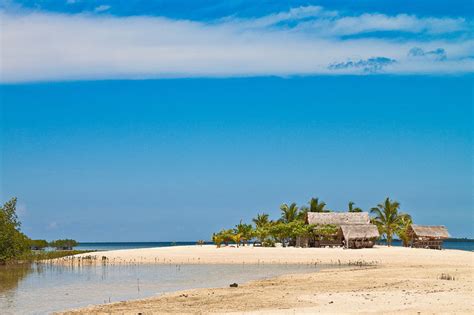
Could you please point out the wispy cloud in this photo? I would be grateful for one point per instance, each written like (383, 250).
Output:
(39, 46)
(52, 225)
(333, 23)
(371, 65)
(102, 8)
(438, 54)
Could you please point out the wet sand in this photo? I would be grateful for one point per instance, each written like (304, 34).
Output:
(390, 280)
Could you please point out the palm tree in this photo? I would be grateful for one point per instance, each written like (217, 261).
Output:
(303, 212)
(316, 206)
(261, 220)
(245, 231)
(289, 213)
(388, 219)
(402, 231)
(352, 209)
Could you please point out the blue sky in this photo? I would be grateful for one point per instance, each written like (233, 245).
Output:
(143, 121)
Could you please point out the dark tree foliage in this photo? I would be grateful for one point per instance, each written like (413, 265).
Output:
(65, 244)
(38, 244)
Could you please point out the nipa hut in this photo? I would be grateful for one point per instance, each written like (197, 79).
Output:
(359, 235)
(354, 229)
(338, 218)
(427, 236)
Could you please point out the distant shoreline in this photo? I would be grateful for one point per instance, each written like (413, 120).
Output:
(209, 254)
(108, 246)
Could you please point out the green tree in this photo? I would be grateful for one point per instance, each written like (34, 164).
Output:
(237, 238)
(325, 231)
(403, 227)
(388, 219)
(245, 230)
(261, 220)
(217, 239)
(352, 209)
(261, 234)
(13, 243)
(281, 232)
(302, 213)
(38, 244)
(316, 206)
(289, 213)
(65, 244)
(301, 229)
(225, 236)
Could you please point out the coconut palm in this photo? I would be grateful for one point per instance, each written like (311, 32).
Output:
(245, 230)
(387, 218)
(289, 213)
(402, 230)
(217, 239)
(261, 220)
(302, 213)
(237, 238)
(316, 206)
(352, 209)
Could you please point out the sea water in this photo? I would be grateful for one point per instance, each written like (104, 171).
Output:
(45, 288)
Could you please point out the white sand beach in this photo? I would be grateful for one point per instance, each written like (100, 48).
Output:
(390, 280)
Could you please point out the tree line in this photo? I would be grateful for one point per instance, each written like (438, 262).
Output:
(291, 225)
(14, 244)
(64, 244)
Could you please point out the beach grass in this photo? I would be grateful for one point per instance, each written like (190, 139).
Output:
(39, 256)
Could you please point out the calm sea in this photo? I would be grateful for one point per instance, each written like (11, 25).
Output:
(449, 244)
(43, 289)
(128, 245)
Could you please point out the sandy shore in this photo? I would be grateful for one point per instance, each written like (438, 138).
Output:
(392, 280)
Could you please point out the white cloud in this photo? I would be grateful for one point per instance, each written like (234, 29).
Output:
(102, 8)
(333, 23)
(52, 225)
(40, 46)
(367, 23)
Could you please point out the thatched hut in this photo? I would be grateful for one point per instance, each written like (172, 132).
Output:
(338, 218)
(352, 229)
(359, 235)
(427, 236)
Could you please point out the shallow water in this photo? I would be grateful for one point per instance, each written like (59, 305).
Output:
(40, 289)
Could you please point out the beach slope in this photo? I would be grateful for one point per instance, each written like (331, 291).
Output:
(379, 280)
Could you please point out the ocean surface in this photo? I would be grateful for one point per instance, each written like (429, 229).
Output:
(449, 244)
(129, 245)
(42, 289)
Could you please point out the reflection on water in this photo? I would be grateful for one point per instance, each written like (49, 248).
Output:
(10, 276)
(39, 289)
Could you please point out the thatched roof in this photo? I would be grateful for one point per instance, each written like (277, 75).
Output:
(359, 231)
(432, 231)
(338, 218)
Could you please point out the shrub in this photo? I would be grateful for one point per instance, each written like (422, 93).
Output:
(38, 244)
(65, 244)
(13, 243)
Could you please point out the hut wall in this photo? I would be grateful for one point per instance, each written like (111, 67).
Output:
(361, 243)
(331, 240)
(427, 243)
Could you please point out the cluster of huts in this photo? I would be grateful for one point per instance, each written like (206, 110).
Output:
(354, 230)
